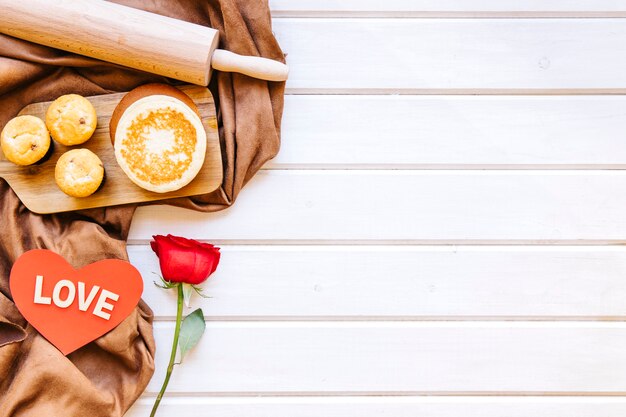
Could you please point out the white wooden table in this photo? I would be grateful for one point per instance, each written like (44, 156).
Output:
(441, 233)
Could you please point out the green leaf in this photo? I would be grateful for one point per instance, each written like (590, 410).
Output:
(191, 330)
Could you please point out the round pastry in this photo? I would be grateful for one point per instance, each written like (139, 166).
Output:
(25, 140)
(79, 172)
(71, 119)
(158, 137)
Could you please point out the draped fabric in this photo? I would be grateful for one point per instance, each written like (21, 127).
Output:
(106, 376)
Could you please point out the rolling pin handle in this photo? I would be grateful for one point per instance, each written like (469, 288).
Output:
(257, 67)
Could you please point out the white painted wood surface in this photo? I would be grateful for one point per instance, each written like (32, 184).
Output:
(387, 358)
(404, 406)
(438, 8)
(453, 132)
(441, 234)
(410, 207)
(338, 283)
(439, 56)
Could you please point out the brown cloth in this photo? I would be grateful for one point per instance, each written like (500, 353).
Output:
(105, 377)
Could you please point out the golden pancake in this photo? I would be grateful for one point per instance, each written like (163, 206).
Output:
(158, 137)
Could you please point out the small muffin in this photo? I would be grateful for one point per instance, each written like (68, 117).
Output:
(25, 140)
(79, 172)
(71, 119)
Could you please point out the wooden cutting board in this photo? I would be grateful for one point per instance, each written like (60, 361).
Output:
(35, 184)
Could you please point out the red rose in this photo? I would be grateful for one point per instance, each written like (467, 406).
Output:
(185, 260)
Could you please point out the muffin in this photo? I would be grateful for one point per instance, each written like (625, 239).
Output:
(25, 140)
(79, 172)
(158, 137)
(71, 119)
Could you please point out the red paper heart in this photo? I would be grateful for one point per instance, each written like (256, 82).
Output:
(41, 285)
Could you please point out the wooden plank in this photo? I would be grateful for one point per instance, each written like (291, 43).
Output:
(454, 55)
(358, 282)
(438, 132)
(399, 358)
(393, 406)
(409, 207)
(446, 8)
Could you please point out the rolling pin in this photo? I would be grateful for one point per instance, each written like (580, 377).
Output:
(130, 37)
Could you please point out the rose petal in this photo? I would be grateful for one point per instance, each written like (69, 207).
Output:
(155, 247)
(176, 261)
(185, 260)
(183, 241)
(216, 260)
(208, 246)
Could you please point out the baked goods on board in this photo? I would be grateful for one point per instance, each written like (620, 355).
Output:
(79, 172)
(25, 140)
(158, 137)
(71, 119)
(158, 140)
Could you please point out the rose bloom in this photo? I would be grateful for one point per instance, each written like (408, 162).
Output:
(185, 260)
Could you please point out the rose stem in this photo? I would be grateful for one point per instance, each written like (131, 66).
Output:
(170, 366)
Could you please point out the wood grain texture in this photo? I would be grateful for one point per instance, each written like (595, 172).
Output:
(253, 66)
(131, 37)
(365, 283)
(396, 406)
(452, 132)
(399, 358)
(437, 56)
(440, 207)
(37, 189)
(115, 33)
